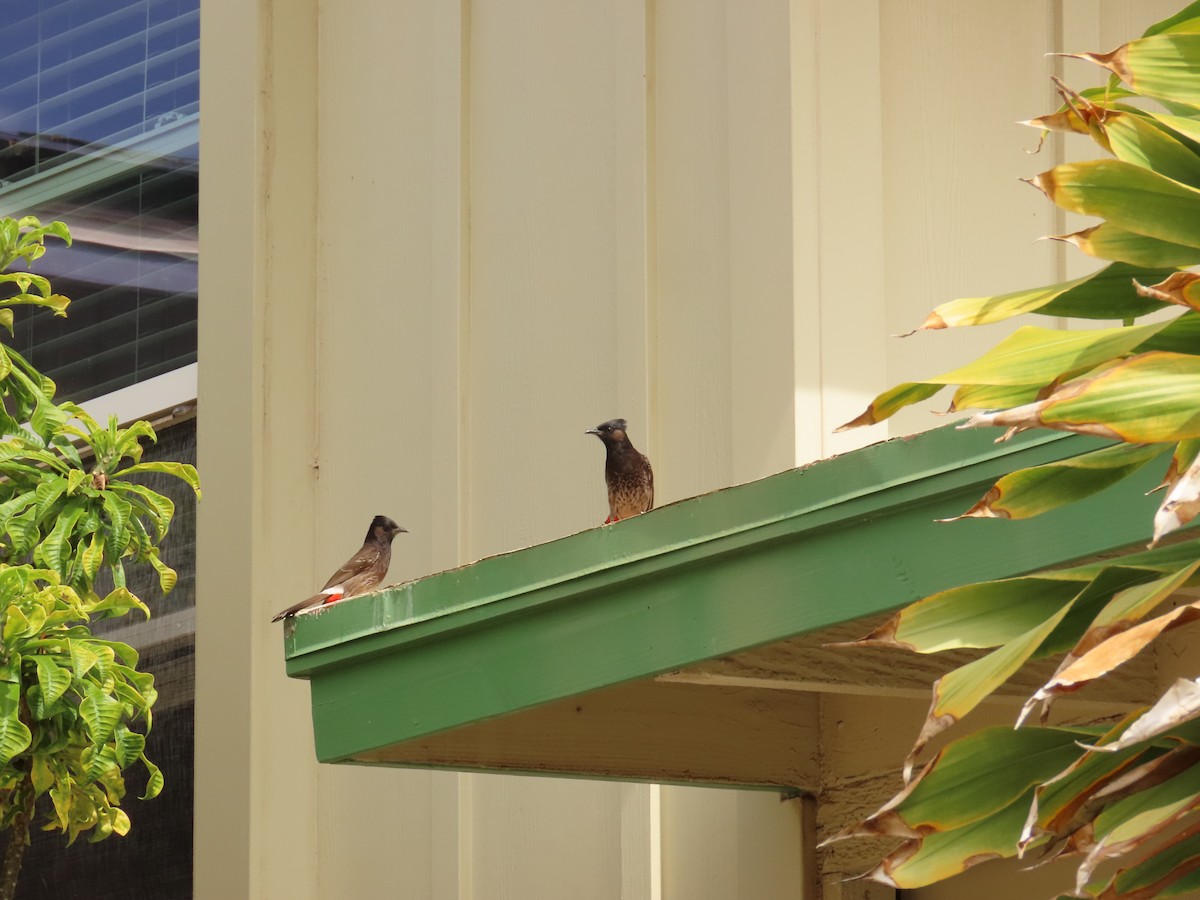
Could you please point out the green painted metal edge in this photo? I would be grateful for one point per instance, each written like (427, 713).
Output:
(840, 539)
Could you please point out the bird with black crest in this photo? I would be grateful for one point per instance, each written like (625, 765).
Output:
(627, 473)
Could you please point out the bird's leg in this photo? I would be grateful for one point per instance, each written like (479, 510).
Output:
(332, 598)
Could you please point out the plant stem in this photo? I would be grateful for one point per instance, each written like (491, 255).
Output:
(18, 838)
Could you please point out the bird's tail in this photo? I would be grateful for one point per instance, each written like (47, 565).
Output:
(329, 595)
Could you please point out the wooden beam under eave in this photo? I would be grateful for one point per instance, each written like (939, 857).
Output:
(806, 664)
(640, 731)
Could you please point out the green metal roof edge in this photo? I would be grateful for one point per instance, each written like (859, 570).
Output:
(839, 539)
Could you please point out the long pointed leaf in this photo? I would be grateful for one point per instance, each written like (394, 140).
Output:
(1032, 491)
(1108, 241)
(1143, 399)
(1128, 196)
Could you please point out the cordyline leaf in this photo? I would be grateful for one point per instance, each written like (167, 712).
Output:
(1108, 241)
(1182, 20)
(1137, 139)
(1183, 456)
(1182, 335)
(1130, 822)
(1165, 65)
(995, 396)
(1143, 399)
(957, 693)
(1103, 294)
(1128, 196)
(1163, 869)
(1030, 355)
(991, 613)
(1126, 607)
(1185, 126)
(1063, 804)
(892, 401)
(1064, 121)
(942, 854)
(1126, 795)
(986, 614)
(1179, 288)
(1033, 355)
(1162, 560)
(1116, 650)
(1180, 703)
(1029, 492)
(970, 779)
(1181, 504)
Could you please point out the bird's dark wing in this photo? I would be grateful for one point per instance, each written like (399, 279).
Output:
(360, 562)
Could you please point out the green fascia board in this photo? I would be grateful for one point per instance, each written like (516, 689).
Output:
(840, 539)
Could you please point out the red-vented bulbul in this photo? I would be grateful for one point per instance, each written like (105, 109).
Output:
(362, 571)
(627, 473)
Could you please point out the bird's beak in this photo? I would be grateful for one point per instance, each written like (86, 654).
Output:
(595, 431)
(400, 528)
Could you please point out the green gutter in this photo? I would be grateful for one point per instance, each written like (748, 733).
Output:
(841, 539)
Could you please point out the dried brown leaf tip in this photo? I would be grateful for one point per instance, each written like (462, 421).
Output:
(984, 509)
(1179, 288)
(1115, 61)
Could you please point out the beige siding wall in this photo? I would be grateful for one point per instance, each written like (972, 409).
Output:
(442, 239)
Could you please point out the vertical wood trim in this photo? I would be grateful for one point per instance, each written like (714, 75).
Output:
(641, 861)
(450, 270)
(227, 272)
(632, 203)
(758, 240)
(806, 232)
(257, 445)
(850, 200)
(653, 336)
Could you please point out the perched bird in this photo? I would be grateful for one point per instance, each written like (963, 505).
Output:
(627, 473)
(362, 571)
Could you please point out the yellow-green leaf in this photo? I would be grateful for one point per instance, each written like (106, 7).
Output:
(1104, 294)
(1128, 196)
(892, 401)
(942, 854)
(1137, 139)
(1108, 241)
(14, 734)
(1166, 66)
(994, 396)
(100, 713)
(54, 679)
(972, 778)
(1038, 489)
(1143, 399)
(1034, 355)
(957, 693)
